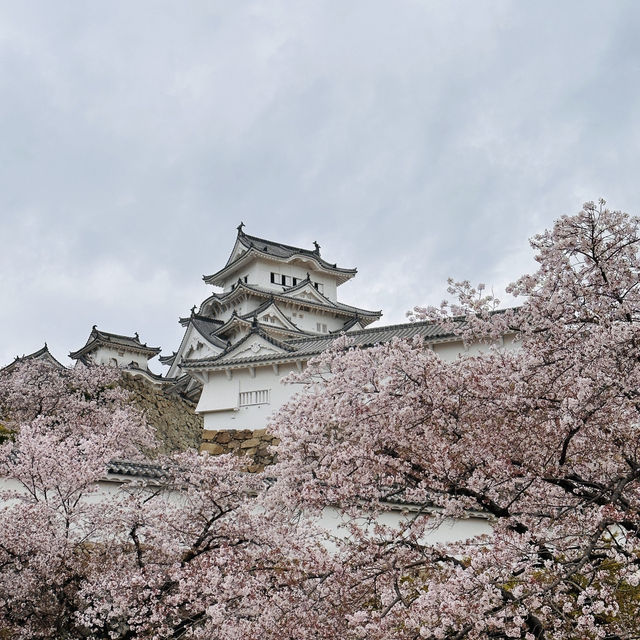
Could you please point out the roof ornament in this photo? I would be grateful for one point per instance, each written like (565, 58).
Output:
(254, 322)
(308, 277)
(193, 310)
(94, 328)
(317, 247)
(136, 336)
(241, 227)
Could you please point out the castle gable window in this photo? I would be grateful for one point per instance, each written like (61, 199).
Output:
(284, 280)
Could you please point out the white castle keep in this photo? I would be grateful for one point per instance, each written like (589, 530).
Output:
(276, 306)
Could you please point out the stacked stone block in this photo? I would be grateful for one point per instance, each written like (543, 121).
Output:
(178, 426)
(256, 444)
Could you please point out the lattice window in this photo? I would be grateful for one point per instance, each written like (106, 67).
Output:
(247, 398)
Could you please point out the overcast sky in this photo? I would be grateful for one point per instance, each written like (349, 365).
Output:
(414, 140)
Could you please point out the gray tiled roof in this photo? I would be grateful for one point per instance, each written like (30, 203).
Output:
(168, 359)
(366, 315)
(250, 319)
(213, 321)
(41, 354)
(279, 251)
(376, 335)
(97, 338)
(208, 331)
(303, 348)
(285, 251)
(138, 469)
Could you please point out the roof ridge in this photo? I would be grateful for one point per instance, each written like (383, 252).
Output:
(100, 332)
(278, 244)
(278, 251)
(401, 325)
(97, 336)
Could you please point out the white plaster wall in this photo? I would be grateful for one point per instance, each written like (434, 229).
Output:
(219, 400)
(259, 273)
(448, 531)
(106, 355)
(197, 346)
(449, 351)
(330, 520)
(190, 339)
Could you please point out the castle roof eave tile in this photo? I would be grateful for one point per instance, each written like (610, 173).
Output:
(305, 348)
(98, 338)
(277, 250)
(365, 314)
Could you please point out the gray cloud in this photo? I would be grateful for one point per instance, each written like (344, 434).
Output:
(414, 140)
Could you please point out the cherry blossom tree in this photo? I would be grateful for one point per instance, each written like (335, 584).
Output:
(543, 440)
(68, 426)
(191, 554)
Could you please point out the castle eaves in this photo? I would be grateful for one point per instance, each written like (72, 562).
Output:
(304, 348)
(267, 249)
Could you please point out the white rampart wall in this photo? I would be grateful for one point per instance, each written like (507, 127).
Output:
(330, 519)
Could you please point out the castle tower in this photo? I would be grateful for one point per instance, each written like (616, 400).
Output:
(241, 340)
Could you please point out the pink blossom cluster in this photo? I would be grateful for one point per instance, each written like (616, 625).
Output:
(540, 441)
(543, 440)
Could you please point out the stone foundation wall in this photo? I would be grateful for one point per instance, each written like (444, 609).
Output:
(178, 426)
(255, 444)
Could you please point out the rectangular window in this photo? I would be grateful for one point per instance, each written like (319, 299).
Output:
(274, 276)
(321, 327)
(286, 281)
(295, 281)
(319, 286)
(248, 398)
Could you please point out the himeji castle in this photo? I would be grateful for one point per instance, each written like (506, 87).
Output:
(274, 306)
(278, 307)
(278, 304)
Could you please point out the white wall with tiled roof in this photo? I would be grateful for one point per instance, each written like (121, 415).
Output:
(244, 398)
(118, 356)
